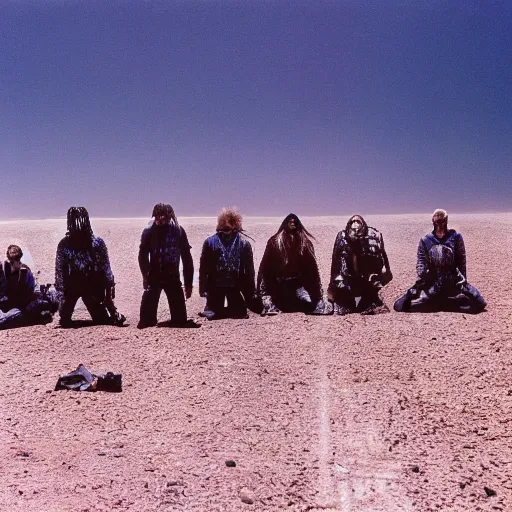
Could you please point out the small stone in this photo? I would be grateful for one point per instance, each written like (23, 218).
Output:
(489, 492)
(231, 463)
(101, 454)
(462, 485)
(415, 469)
(146, 485)
(246, 496)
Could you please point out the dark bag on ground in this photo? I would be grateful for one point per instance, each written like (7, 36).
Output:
(83, 380)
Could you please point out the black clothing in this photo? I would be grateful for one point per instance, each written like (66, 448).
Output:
(82, 270)
(161, 248)
(226, 271)
(442, 283)
(359, 268)
(288, 277)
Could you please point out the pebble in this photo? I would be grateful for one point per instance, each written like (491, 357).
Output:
(231, 464)
(489, 492)
(246, 496)
(415, 469)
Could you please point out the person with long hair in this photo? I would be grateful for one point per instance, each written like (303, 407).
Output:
(82, 270)
(442, 283)
(163, 243)
(359, 269)
(226, 269)
(288, 276)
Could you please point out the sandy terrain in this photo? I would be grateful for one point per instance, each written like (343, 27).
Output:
(385, 413)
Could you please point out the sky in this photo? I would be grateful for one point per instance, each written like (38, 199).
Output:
(317, 107)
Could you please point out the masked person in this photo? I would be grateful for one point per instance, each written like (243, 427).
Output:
(441, 268)
(359, 268)
(288, 277)
(163, 243)
(226, 269)
(82, 270)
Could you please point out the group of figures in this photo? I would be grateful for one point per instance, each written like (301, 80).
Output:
(288, 278)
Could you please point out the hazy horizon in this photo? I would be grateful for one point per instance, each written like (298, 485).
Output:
(322, 108)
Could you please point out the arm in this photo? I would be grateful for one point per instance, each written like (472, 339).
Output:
(339, 269)
(313, 275)
(60, 268)
(3, 284)
(204, 269)
(422, 263)
(249, 273)
(387, 275)
(144, 253)
(262, 285)
(104, 263)
(186, 258)
(460, 255)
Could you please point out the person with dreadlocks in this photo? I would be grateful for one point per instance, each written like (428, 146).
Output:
(288, 276)
(21, 301)
(82, 270)
(226, 269)
(359, 268)
(163, 243)
(442, 279)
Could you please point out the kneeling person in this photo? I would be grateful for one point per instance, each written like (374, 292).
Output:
(441, 267)
(82, 270)
(226, 269)
(288, 277)
(359, 268)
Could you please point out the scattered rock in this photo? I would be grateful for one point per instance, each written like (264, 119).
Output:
(462, 485)
(341, 469)
(489, 492)
(247, 496)
(415, 469)
(102, 454)
(231, 463)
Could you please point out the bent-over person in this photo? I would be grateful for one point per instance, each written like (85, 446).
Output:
(288, 276)
(442, 283)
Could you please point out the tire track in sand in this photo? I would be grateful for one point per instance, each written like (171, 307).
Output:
(356, 470)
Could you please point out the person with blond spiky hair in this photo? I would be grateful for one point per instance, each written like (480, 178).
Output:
(442, 279)
(226, 269)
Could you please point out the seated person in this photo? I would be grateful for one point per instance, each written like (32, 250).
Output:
(441, 267)
(82, 270)
(226, 269)
(21, 301)
(359, 268)
(288, 277)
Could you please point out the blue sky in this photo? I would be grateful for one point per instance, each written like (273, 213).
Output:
(321, 107)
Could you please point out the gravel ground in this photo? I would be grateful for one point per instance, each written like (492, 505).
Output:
(294, 413)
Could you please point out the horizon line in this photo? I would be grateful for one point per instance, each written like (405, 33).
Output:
(19, 219)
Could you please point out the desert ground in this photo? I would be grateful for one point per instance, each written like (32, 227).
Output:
(393, 412)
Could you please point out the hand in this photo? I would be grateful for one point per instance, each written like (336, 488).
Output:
(188, 291)
(111, 293)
